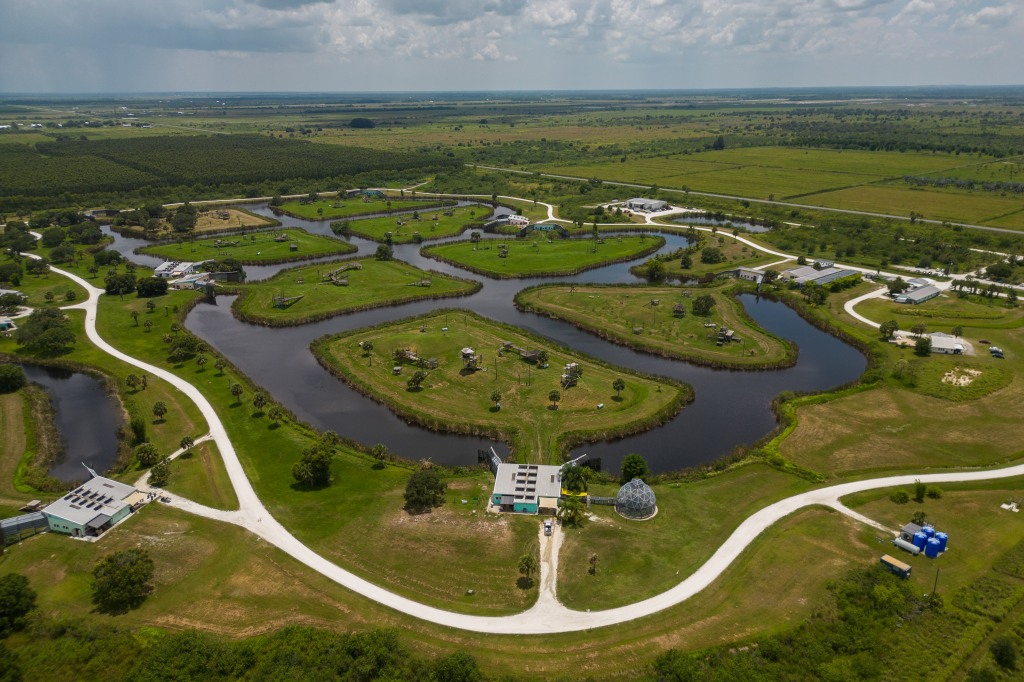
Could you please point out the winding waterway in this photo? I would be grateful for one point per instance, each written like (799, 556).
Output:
(731, 407)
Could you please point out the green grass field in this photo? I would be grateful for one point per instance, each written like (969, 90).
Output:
(36, 287)
(736, 255)
(639, 559)
(327, 209)
(616, 313)
(200, 476)
(254, 249)
(376, 283)
(931, 204)
(536, 256)
(431, 224)
(527, 416)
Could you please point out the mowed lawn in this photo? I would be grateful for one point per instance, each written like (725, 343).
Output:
(428, 224)
(254, 249)
(454, 398)
(537, 256)
(618, 312)
(639, 559)
(200, 476)
(375, 283)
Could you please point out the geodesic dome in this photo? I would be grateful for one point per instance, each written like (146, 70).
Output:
(636, 500)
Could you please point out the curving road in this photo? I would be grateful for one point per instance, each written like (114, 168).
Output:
(547, 615)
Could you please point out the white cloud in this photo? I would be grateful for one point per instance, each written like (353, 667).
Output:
(541, 43)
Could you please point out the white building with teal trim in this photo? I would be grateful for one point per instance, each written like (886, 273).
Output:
(527, 488)
(93, 507)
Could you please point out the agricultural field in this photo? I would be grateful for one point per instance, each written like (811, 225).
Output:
(932, 204)
(207, 222)
(308, 293)
(645, 318)
(535, 256)
(507, 396)
(254, 249)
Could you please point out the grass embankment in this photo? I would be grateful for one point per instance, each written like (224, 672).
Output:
(327, 209)
(639, 559)
(375, 284)
(452, 398)
(200, 475)
(913, 416)
(616, 313)
(262, 248)
(540, 257)
(431, 224)
(349, 520)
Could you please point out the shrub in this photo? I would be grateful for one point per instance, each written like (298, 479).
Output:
(933, 492)
(120, 581)
(12, 378)
(424, 490)
(900, 497)
(633, 466)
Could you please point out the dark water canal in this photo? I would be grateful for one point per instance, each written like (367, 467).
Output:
(731, 407)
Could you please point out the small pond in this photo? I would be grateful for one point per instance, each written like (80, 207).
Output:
(86, 418)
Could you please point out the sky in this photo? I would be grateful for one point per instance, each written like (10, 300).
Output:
(124, 46)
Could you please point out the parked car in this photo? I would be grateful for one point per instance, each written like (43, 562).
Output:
(548, 527)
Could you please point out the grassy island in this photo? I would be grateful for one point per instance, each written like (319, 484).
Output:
(326, 209)
(307, 293)
(645, 318)
(263, 248)
(429, 224)
(451, 397)
(537, 256)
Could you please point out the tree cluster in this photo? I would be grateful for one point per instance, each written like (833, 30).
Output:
(424, 490)
(45, 331)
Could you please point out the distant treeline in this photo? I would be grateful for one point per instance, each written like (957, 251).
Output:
(180, 167)
(965, 183)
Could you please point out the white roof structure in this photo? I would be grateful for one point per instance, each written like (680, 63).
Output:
(946, 343)
(173, 268)
(93, 503)
(527, 483)
(918, 295)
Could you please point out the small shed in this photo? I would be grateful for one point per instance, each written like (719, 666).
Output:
(895, 566)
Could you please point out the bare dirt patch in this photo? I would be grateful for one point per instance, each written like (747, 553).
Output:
(959, 376)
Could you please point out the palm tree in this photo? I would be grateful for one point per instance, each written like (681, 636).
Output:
(132, 381)
(368, 350)
(275, 413)
(201, 361)
(148, 324)
(570, 511)
(236, 390)
(259, 401)
(496, 399)
(159, 410)
(527, 566)
(554, 396)
(573, 479)
(135, 317)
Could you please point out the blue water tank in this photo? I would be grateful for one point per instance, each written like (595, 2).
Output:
(928, 530)
(931, 550)
(943, 539)
(920, 539)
